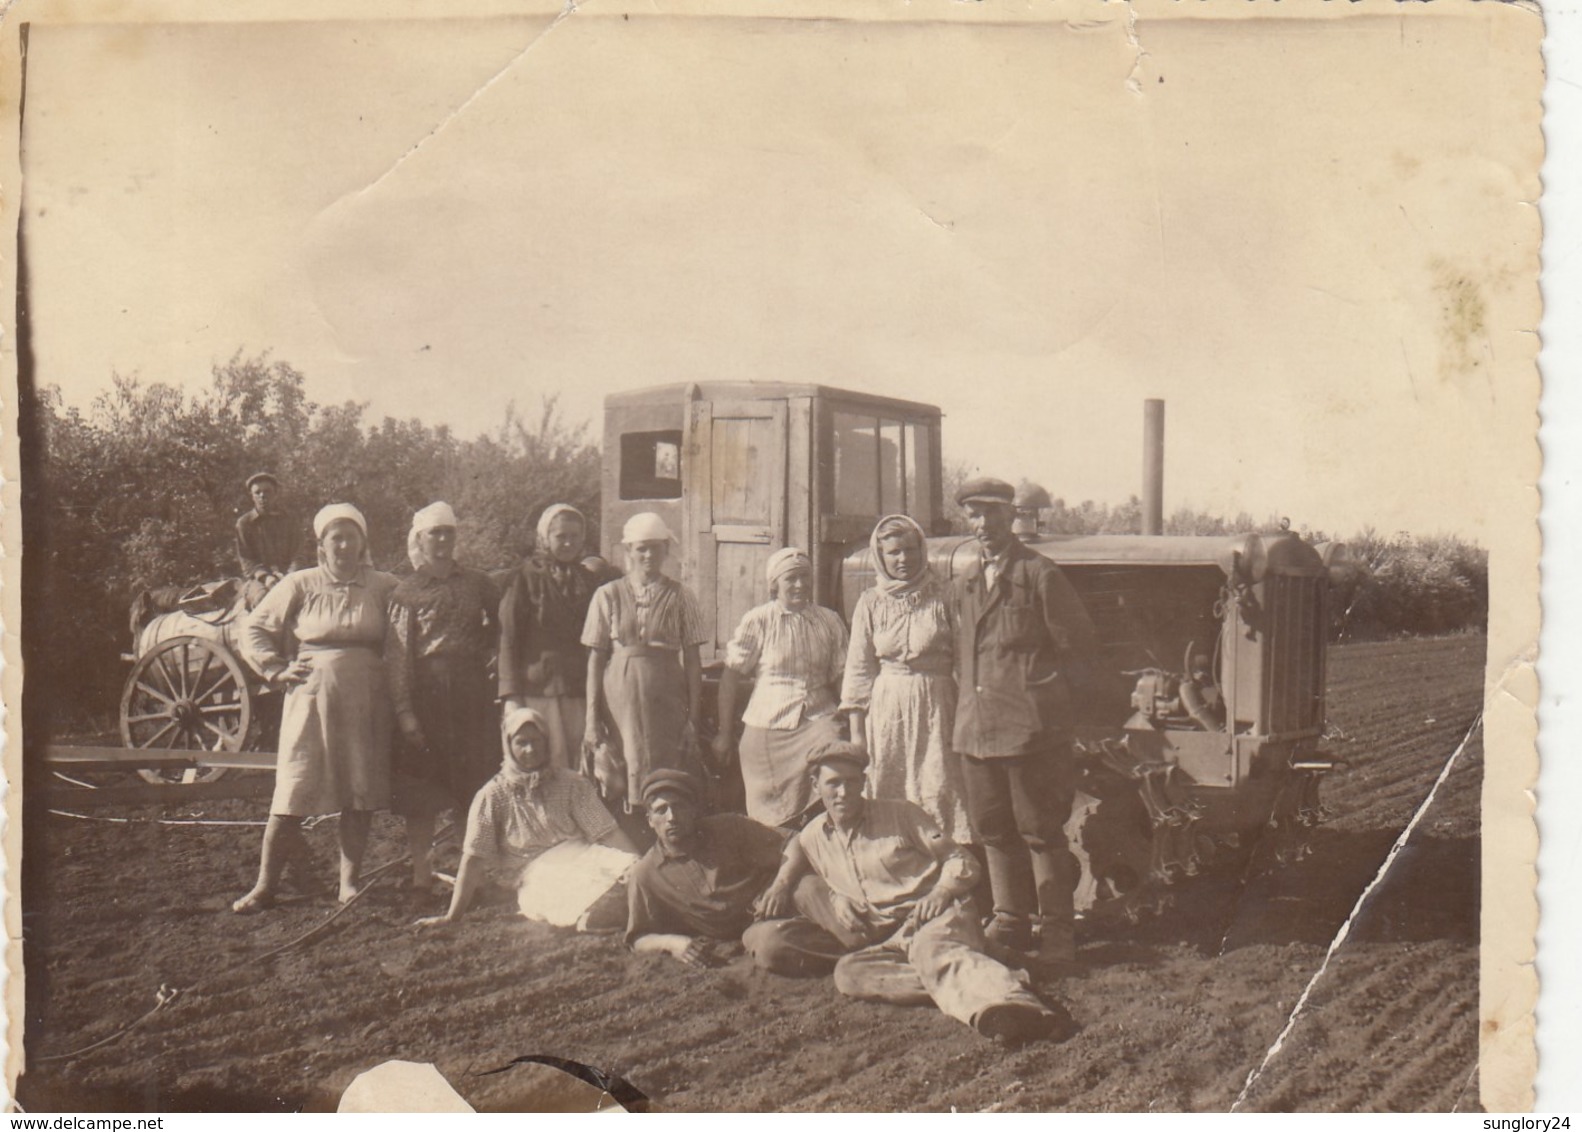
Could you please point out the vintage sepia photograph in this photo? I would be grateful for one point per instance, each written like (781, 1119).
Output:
(849, 557)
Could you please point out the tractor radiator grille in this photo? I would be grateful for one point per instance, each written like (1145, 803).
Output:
(1293, 677)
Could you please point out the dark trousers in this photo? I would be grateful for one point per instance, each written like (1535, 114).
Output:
(1018, 806)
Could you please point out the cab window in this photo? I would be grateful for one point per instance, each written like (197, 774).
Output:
(883, 465)
(651, 465)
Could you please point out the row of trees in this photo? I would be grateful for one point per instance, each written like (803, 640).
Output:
(144, 489)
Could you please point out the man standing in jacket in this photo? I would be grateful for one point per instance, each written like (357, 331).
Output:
(1022, 634)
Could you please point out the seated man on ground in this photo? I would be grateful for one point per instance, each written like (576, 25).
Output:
(692, 894)
(541, 831)
(879, 894)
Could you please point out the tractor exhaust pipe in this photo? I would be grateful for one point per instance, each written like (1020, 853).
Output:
(1153, 467)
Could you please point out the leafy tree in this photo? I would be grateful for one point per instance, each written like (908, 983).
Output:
(144, 489)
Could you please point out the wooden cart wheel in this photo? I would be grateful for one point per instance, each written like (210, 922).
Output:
(186, 694)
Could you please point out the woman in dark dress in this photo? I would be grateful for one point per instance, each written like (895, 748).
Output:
(543, 664)
(442, 621)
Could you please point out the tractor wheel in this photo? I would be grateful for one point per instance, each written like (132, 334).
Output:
(1113, 842)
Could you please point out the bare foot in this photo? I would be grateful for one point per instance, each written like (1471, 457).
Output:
(258, 900)
(348, 893)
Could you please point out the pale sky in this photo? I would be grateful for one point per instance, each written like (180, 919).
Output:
(1035, 228)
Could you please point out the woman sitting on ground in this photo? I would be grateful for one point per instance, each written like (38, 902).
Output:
(540, 830)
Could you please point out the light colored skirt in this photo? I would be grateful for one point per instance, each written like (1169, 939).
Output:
(910, 716)
(561, 884)
(646, 693)
(567, 717)
(335, 732)
(774, 768)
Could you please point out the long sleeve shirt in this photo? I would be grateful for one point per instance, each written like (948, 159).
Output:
(894, 858)
(541, 618)
(904, 633)
(515, 818)
(273, 543)
(318, 611)
(434, 616)
(794, 657)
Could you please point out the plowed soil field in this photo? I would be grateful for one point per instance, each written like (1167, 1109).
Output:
(1173, 1014)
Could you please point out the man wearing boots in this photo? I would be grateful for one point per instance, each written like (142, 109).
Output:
(873, 891)
(1022, 636)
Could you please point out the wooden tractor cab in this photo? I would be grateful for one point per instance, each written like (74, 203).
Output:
(1203, 720)
(740, 469)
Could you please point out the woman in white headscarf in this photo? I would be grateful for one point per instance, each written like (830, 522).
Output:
(442, 621)
(644, 670)
(336, 722)
(899, 688)
(793, 649)
(543, 664)
(540, 831)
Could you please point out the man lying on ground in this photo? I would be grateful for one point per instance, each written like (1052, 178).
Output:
(692, 894)
(541, 831)
(879, 895)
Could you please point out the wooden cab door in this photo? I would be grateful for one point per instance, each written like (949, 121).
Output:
(736, 509)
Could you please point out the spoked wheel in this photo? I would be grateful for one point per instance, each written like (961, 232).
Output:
(186, 694)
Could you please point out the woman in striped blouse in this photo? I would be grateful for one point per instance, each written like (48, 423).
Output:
(795, 652)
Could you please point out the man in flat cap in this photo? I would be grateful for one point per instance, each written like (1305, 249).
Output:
(1022, 636)
(270, 540)
(875, 892)
(692, 894)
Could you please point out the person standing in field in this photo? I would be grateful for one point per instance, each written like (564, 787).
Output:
(644, 668)
(336, 724)
(270, 540)
(900, 689)
(1022, 634)
(794, 651)
(543, 664)
(443, 633)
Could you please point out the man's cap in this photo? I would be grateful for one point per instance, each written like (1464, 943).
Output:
(986, 490)
(664, 781)
(838, 751)
(261, 477)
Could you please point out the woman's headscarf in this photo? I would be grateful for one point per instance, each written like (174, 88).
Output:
(887, 527)
(513, 722)
(783, 562)
(553, 512)
(333, 513)
(646, 526)
(434, 515)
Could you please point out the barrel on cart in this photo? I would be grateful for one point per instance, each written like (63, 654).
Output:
(191, 689)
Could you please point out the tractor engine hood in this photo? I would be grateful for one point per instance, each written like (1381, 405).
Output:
(1250, 556)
